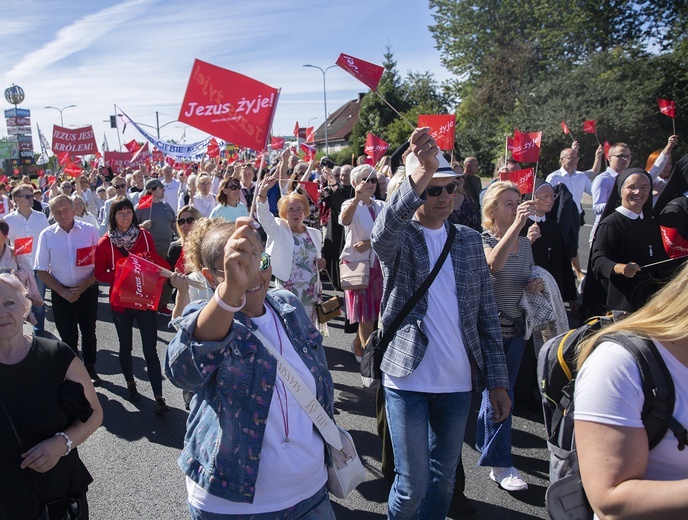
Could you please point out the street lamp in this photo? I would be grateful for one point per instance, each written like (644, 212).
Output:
(60, 110)
(327, 145)
(311, 119)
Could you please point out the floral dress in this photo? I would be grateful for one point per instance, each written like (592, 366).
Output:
(304, 281)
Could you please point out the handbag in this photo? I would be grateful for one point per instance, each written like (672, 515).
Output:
(376, 345)
(328, 309)
(345, 470)
(354, 275)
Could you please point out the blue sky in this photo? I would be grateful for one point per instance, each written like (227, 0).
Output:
(138, 54)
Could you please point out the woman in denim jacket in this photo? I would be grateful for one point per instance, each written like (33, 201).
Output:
(250, 449)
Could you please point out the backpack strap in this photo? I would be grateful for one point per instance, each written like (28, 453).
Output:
(658, 389)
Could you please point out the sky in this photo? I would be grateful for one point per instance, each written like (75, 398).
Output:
(138, 55)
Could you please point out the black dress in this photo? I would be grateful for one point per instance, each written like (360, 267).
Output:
(30, 391)
(620, 239)
(334, 233)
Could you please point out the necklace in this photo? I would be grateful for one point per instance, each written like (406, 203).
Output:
(283, 403)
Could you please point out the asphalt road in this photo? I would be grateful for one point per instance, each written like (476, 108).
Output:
(132, 457)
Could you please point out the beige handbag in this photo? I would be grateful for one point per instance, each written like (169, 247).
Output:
(354, 275)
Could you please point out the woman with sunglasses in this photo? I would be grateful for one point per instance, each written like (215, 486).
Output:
(358, 216)
(229, 206)
(266, 456)
(124, 237)
(186, 218)
(295, 246)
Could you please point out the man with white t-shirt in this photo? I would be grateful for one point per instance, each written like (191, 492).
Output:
(172, 186)
(450, 343)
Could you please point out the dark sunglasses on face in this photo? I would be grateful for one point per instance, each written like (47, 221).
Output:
(189, 220)
(120, 186)
(232, 187)
(371, 180)
(436, 191)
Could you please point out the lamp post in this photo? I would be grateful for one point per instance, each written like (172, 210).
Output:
(327, 145)
(60, 110)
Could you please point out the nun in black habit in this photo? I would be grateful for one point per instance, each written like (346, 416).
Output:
(627, 241)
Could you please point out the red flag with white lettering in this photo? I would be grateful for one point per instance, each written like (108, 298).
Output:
(77, 141)
(277, 143)
(23, 246)
(229, 105)
(375, 147)
(367, 73)
(674, 244)
(667, 107)
(526, 146)
(213, 148)
(142, 150)
(589, 126)
(63, 158)
(158, 156)
(132, 146)
(308, 150)
(310, 134)
(145, 202)
(522, 178)
(313, 190)
(73, 169)
(137, 285)
(442, 128)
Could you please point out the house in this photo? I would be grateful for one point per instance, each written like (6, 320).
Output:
(340, 124)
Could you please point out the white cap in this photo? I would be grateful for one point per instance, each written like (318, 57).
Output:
(444, 171)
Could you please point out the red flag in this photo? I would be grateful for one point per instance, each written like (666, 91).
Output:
(367, 73)
(442, 129)
(589, 126)
(85, 256)
(3, 178)
(565, 128)
(170, 160)
(277, 143)
(158, 156)
(213, 148)
(296, 129)
(132, 146)
(41, 173)
(51, 179)
(526, 146)
(229, 105)
(142, 149)
(313, 190)
(674, 244)
(308, 150)
(667, 107)
(522, 178)
(23, 246)
(63, 158)
(145, 202)
(607, 147)
(375, 147)
(310, 134)
(73, 170)
(137, 284)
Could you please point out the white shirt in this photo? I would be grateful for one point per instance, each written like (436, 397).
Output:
(289, 472)
(21, 227)
(577, 182)
(628, 213)
(601, 188)
(171, 193)
(445, 367)
(5, 206)
(204, 203)
(58, 252)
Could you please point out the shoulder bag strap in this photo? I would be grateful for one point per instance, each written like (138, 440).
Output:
(418, 294)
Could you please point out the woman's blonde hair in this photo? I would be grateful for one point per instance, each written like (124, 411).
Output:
(491, 198)
(293, 196)
(187, 209)
(205, 243)
(664, 317)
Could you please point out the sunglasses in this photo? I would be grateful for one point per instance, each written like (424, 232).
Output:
(67, 187)
(264, 264)
(233, 187)
(189, 220)
(120, 186)
(371, 180)
(436, 191)
(623, 156)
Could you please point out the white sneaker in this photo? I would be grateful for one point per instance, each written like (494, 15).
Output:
(509, 479)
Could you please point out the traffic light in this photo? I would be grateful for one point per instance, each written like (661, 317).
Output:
(113, 121)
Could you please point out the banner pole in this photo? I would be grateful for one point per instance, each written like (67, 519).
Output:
(119, 140)
(394, 110)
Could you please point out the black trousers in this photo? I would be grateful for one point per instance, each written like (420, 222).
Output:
(70, 318)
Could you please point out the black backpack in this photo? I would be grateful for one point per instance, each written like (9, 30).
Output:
(565, 498)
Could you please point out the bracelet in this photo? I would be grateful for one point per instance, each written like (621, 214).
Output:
(67, 440)
(226, 307)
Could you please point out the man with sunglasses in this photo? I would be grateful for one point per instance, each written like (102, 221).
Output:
(449, 344)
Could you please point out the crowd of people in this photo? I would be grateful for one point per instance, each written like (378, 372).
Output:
(230, 232)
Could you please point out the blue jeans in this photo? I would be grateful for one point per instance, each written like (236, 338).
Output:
(39, 312)
(147, 322)
(317, 507)
(427, 433)
(493, 440)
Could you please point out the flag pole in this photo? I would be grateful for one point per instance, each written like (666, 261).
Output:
(664, 261)
(534, 178)
(119, 140)
(395, 110)
(506, 149)
(262, 158)
(597, 138)
(673, 123)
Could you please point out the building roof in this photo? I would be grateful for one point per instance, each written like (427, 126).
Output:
(340, 123)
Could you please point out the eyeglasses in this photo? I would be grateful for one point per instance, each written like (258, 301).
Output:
(371, 180)
(295, 210)
(264, 264)
(623, 156)
(189, 220)
(233, 187)
(67, 187)
(436, 191)
(120, 186)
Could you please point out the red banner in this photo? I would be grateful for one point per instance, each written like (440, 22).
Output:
(142, 154)
(667, 107)
(158, 156)
(120, 160)
(526, 146)
(442, 129)
(229, 105)
(310, 134)
(375, 147)
(137, 284)
(213, 148)
(521, 178)
(674, 244)
(308, 150)
(23, 246)
(85, 256)
(277, 143)
(589, 126)
(132, 146)
(367, 73)
(73, 170)
(565, 128)
(313, 190)
(75, 141)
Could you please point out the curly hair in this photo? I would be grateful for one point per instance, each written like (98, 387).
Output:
(205, 243)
